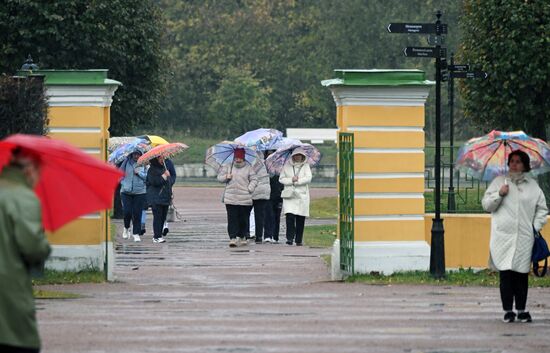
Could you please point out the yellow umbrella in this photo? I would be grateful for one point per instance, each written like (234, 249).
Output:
(157, 140)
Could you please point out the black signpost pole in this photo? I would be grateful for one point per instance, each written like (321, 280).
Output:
(437, 253)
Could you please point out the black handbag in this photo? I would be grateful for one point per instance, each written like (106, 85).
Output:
(540, 252)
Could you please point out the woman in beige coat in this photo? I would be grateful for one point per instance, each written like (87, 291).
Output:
(241, 181)
(518, 207)
(295, 177)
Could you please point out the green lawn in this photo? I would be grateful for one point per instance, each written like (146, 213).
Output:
(326, 207)
(462, 277)
(320, 236)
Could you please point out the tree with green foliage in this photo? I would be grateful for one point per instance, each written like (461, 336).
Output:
(240, 104)
(289, 46)
(511, 41)
(122, 36)
(23, 107)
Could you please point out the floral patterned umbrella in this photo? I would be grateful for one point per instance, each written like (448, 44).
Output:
(276, 161)
(165, 151)
(486, 157)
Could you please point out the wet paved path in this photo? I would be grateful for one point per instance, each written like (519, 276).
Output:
(194, 294)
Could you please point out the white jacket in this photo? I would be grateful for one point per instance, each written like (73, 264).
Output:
(298, 205)
(512, 221)
(238, 189)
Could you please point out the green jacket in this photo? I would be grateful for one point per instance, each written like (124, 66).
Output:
(22, 245)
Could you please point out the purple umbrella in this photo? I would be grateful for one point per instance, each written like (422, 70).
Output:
(276, 161)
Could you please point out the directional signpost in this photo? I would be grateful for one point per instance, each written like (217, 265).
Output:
(437, 254)
(423, 52)
(456, 71)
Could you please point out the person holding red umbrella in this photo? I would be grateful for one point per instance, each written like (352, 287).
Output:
(23, 246)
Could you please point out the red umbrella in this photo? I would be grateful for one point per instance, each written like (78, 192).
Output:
(72, 183)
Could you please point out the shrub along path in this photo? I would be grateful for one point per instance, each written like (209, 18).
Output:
(194, 294)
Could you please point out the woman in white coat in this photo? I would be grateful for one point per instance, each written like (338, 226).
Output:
(518, 207)
(295, 177)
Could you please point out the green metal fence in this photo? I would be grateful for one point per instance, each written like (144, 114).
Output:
(346, 202)
(463, 195)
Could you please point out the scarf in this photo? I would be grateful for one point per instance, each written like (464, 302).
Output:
(517, 178)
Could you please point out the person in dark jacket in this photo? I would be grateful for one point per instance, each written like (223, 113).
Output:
(273, 209)
(170, 166)
(159, 195)
(23, 247)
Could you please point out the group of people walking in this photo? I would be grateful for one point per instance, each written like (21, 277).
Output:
(249, 187)
(143, 187)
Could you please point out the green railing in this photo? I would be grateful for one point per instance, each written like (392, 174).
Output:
(346, 202)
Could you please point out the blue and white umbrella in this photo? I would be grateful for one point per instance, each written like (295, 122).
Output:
(222, 154)
(260, 139)
(122, 152)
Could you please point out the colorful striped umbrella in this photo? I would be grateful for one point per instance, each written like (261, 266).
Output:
(165, 151)
(486, 157)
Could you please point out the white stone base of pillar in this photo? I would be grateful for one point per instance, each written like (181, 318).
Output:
(384, 257)
(82, 257)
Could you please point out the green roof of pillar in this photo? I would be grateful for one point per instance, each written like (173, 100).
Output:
(354, 77)
(96, 77)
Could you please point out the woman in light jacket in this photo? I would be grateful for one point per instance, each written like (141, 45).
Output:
(241, 181)
(517, 206)
(133, 195)
(295, 177)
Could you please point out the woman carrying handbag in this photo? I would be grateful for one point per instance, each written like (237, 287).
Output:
(517, 206)
(295, 177)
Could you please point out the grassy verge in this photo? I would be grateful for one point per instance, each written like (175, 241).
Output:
(326, 207)
(67, 277)
(462, 277)
(50, 294)
(320, 236)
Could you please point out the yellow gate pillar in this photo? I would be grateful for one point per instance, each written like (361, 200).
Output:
(385, 111)
(79, 104)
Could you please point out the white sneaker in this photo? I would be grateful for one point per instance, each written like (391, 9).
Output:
(126, 233)
(233, 243)
(136, 238)
(159, 240)
(268, 240)
(242, 242)
(275, 241)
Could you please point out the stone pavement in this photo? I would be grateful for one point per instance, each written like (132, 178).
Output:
(194, 294)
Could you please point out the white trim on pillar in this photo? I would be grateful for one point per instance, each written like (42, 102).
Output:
(384, 257)
(82, 257)
(80, 96)
(382, 95)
